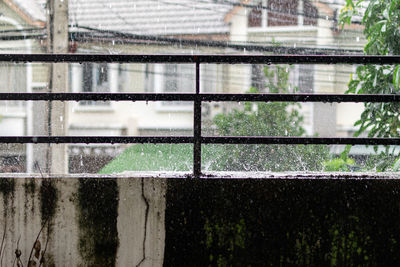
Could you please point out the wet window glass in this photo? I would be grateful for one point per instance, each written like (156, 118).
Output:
(252, 28)
(199, 133)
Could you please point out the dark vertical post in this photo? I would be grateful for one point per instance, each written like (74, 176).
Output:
(197, 127)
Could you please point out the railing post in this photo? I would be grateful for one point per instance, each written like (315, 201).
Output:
(197, 127)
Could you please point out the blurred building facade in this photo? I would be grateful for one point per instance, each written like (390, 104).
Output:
(173, 27)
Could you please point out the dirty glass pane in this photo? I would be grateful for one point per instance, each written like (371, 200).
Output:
(117, 220)
(174, 27)
(256, 27)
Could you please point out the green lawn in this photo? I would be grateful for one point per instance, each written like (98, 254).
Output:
(160, 157)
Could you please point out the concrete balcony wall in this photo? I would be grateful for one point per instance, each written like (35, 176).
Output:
(333, 219)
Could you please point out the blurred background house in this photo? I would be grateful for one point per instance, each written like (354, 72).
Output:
(173, 27)
(21, 31)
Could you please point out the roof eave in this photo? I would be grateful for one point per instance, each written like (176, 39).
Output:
(24, 15)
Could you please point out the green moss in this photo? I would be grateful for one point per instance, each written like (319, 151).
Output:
(30, 186)
(98, 236)
(29, 194)
(282, 222)
(7, 188)
(48, 199)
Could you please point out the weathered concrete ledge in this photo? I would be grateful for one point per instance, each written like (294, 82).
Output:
(218, 175)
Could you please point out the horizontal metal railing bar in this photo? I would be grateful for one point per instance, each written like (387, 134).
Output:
(205, 59)
(97, 96)
(290, 140)
(201, 97)
(267, 140)
(95, 139)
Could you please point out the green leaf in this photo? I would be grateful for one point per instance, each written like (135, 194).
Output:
(375, 81)
(386, 13)
(396, 77)
(392, 6)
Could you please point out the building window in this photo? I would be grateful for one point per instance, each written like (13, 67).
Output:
(257, 77)
(255, 16)
(305, 78)
(149, 78)
(178, 78)
(282, 12)
(310, 13)
(13, 80)
(174, 78)
(95, 78)
(300, 77)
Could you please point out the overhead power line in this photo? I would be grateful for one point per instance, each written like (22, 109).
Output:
(22, 30)
(109, 35)
(23, 37)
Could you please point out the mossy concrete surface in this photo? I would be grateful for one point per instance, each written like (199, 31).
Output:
(283, 222)
(202, 222)
(82, 222)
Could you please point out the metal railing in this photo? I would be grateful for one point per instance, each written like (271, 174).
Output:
(197, 98)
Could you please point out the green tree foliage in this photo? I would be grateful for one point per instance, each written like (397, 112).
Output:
(381, 19)
(268, 119)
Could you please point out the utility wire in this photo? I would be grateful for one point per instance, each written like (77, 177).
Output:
(159, 40)
(217, 44)
(123, 41)
(22, 30)
(23, 37)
